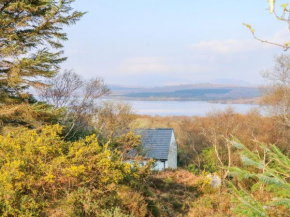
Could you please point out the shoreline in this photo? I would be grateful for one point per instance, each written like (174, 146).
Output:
(246, 101)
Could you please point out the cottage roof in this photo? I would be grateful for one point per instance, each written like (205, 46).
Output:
(155, 142)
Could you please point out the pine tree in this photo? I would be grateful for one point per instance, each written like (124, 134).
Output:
(31, 36)
(266, 173)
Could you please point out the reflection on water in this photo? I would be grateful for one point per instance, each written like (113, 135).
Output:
(187, 108)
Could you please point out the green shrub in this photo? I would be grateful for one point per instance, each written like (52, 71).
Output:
(193, 169)
(209, 160)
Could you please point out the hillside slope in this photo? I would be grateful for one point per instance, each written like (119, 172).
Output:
(194, 92)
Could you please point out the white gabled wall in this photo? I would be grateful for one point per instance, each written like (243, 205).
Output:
(159, 165)
(172, 155)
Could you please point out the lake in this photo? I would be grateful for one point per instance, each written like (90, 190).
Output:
(186, 108)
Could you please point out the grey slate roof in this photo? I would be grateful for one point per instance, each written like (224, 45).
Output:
(155, 142)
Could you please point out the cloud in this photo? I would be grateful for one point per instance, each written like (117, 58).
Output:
(160, 65)
(203, 61)
(144, 64)
(282, 36)
(230, 46)
(235, 46)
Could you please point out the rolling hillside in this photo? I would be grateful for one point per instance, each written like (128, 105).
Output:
(203, 92)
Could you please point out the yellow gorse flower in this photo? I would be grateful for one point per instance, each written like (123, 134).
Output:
(36, 168)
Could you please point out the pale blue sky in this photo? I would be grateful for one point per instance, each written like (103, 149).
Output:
(162, 42)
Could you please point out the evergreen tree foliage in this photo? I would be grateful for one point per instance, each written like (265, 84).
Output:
(267, 173)
(30, 42)
(31, 35)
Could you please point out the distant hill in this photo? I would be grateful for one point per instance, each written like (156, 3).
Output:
(190, 92)
(187, 93)
(120, 90)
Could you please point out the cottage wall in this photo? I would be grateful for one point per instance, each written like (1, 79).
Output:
(172, 155)
(158, 166)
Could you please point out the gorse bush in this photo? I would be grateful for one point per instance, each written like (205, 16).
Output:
(41, 174)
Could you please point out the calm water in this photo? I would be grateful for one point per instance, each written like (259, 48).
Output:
(187, 108)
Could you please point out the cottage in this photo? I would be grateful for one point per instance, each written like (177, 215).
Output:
(159, 144)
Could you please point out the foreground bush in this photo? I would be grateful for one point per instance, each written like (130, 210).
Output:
(262, 187)
(41, 174)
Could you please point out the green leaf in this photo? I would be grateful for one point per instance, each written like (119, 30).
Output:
(272, 5)
(249, 162)
(284, 5)
(247, 25)
(237, 145)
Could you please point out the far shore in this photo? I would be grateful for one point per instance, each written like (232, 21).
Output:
(249, 101)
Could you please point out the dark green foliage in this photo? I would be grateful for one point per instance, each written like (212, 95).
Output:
(193, 168)
(31, 32)
(209, 160)
(30, 42)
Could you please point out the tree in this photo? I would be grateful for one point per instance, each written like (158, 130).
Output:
(263, 186)
(31, 35)
(285, 17)
(30, 43)
(78, 98)
(223, 124)
(277, 90)
(113, 119)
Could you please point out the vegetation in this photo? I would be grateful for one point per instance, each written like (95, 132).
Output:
(31, 33)
(76, 99)
(284, 17)
(67, 153)
(267, 185)
(206, 145)
(43, 175)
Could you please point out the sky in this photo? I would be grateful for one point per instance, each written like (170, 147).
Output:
(171, 42)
